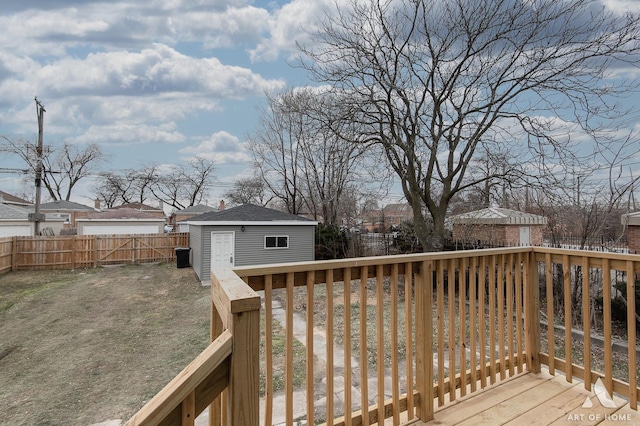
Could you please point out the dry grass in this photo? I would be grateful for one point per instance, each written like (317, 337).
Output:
(85, 346)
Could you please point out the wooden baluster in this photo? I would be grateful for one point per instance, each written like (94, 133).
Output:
(289, 349)
(606, 306)
(492, 319)
(395, 377)
(631, 333)
(519, 330)
(268, 347)
(364, 377)
(408, 301)
(329, 345)
(473, 322)
(510, 327)
(551, 342)
(482, 316)
(348, 404)
(451, 299)
(440, 308)
(566, 269)
(310, 288)
(586, 322)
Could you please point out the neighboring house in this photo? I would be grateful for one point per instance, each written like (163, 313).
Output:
(188, 213)
(498, 226)
(390, 215)
(120, 221)
(6, 198)
(67, 210)
(14, 222)
(249, 235)
(632, 220)
(395, 214)
(141, 207)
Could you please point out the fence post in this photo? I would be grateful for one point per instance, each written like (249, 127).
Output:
(73, 251)
(95, 251)
(532, 311)
(424, 339)
(14, 254)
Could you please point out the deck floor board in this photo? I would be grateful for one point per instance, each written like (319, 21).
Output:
(533, 399)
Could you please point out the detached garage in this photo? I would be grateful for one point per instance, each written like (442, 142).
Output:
(14, 222)
(120, 221)
(249, 235)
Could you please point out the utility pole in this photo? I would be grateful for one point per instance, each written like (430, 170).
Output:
(38, 217)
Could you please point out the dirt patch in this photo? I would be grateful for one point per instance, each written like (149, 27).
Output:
(85, 346)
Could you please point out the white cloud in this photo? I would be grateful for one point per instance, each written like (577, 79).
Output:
(622, 6)
(159, 69)
(289, 25)
(221, 147)
(123, 133)
(158, 84)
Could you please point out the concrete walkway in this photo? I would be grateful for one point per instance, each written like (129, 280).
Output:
(320, 351)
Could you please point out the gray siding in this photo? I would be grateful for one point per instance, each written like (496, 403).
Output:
(195, 242)
(249, 245)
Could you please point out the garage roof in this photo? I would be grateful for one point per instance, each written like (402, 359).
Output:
(249, 213)
(122, 213)
(498, 216)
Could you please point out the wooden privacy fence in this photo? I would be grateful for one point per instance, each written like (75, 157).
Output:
(87, 251)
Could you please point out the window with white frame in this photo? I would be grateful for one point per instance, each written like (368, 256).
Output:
(276, 241)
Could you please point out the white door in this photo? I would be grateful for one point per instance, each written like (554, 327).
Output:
(525, 236)
(222, 250)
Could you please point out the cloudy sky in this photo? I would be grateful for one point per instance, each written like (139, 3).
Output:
(150, 82)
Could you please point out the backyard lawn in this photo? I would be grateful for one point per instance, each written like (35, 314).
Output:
(85, 346)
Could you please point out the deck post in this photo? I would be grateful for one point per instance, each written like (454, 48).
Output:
(239, 309)
(532, 312)
(424, 340)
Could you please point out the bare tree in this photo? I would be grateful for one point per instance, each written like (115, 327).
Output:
(126, 186)
(183, 185)
(276, 147)
(301, 158)
(251, 190)
(431, 81)
(63, 166)
(113, 188)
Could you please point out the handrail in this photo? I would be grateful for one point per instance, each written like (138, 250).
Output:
(189, 393)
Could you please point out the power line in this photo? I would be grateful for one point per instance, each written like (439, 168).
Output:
(10, 170)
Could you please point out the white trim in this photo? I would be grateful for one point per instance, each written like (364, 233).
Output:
(247, 223)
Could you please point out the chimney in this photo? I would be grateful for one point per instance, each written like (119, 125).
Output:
(221, 205)
(97, 204)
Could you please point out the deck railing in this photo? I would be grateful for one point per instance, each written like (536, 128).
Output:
(225, 375)
(357, 341)
(568, 277)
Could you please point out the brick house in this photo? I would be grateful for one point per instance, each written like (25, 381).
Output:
(390, 215)
(632, 220)
(499, 227)
(141, 207)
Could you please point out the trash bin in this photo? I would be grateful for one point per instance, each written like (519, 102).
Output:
(182, 257)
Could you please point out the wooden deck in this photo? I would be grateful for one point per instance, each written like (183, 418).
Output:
(534, 399)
